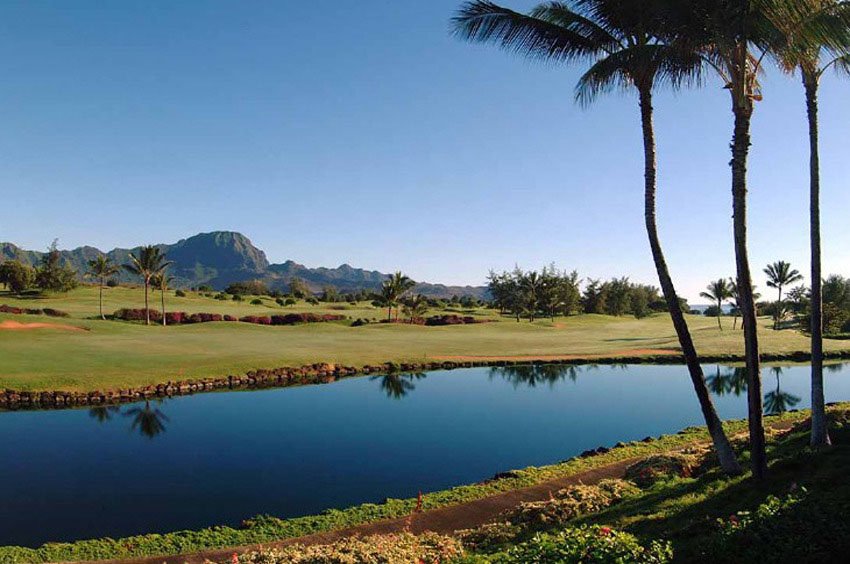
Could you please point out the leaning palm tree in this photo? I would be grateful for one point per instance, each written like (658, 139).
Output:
(779, 275)
(161, 281)
(101, 269)
(149, 262)
(718, 291)
(625, 43)
(813, 57)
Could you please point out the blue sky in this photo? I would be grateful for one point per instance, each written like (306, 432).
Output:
(361, 132)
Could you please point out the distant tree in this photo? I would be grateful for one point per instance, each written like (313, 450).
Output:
(330, 294)
(16, 276)
(161, 280)
(149, 262)
(736, 304)
(393, 289)
(779, 275)
(52, 275)
(102, 269)
(299, 288)
(718, 292)
(594, 297)
(248, 288)
(415, 307)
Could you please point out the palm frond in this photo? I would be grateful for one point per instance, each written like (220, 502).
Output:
(482, 21)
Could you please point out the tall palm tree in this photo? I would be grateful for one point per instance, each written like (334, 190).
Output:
(161, 281)
(734, 37)
(718, 291)
(779, 275)
(624, 41)
(149, 262)
(532, 285)
(813, 57)
(416, 307)
(101, 269)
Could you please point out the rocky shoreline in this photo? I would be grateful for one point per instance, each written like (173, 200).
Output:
(323, 373)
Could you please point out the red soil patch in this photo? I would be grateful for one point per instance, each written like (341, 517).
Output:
(9, 325)
(530, 357)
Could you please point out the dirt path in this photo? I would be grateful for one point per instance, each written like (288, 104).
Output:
(10, 325)
(444, 520)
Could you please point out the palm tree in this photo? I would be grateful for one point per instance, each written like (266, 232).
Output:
(149, 262)
(393, 289)
(736, 308)
(102, 269)
(813, 57)
(780, 274)
(624, 41)
(161, 281)
(718, 291)
(532, 285)
(396, 386)
(734, 37)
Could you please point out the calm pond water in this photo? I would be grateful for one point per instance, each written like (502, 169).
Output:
(219, 458)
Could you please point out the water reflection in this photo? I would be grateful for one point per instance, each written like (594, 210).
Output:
(777, 401)
(533, 374)
(147, 420)
(396, 386)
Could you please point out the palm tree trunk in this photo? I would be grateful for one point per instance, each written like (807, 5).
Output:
(820, 433)
(390, 313)
(719, 311)
(147, 309)
(162, 294)
(743, 109)
(725, 454)
(101, 300)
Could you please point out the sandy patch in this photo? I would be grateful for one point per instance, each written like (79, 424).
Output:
(10, 325)
(530, 357)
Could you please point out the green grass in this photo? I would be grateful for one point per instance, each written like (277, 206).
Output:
(266, 529)
(112, 354)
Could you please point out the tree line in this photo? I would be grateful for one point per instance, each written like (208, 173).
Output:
(551, 292)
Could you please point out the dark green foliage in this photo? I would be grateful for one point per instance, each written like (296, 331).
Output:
(180, 293)
(54, 275)
(256, 301)
(248, 288)
(16, 276)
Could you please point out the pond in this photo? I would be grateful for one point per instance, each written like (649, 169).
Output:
(218, 458)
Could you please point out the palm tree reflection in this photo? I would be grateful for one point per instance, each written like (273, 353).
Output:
(396, 386)
(148, 420)
(533, 374)
(103, 413)
(777, 401)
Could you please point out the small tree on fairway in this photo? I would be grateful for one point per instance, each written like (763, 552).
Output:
(52, 275)
(101, 269)
(149, 262)
(780, 275)
(161, 280)
(718, 292)
(17, 277)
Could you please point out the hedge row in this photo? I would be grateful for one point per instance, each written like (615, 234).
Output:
(32, 311)
(181, 317)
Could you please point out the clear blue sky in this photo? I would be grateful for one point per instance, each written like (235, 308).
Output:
(361, 132)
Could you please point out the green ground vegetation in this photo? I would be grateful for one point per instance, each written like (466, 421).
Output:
(114, 354)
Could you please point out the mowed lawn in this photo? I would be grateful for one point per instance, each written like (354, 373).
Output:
(112, 354)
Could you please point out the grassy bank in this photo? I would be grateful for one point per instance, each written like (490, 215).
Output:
(112, 354)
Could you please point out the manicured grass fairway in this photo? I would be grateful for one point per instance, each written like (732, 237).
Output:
(114, 354)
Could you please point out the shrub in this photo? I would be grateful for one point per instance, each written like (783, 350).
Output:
(258, 319)
(128, 314)
(289, 302)
(33, 311)
(112, 283)
(568, 504)
(586, 544)
(55, 312)
(237, 298)
(180, 293)
(231, 318)
(280, 301)
(174, 317)
(11, 309)
(256, 301)
(429, 548)
(293, 318)
(222, 296)
(489, 537)
(646, 472)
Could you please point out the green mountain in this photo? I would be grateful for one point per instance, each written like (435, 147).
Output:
(222, 257)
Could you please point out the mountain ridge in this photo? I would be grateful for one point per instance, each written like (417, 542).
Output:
(219, 258)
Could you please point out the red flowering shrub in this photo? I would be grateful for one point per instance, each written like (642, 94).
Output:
(11, 309)
(175, 317)
(231, 318)
(130, 314)
(258, 319)
(54, 312)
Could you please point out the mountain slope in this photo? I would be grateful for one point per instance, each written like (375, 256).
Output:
(222, 257)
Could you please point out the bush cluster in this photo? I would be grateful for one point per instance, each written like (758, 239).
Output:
(171, 317)
(646, 472)
(32, 311)
(429, 548)
(290, 318)
(451, 320)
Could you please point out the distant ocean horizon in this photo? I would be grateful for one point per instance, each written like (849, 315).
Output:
(727, 308)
